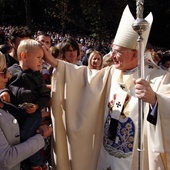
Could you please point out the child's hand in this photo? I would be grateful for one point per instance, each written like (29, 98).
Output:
(5, 96)
(31, 108)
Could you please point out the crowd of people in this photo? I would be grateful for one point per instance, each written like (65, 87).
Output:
(82, 96)
(160, 55)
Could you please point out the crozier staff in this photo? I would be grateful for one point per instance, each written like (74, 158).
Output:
(140, 25)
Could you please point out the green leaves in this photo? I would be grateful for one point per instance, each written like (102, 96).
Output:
(99, 18)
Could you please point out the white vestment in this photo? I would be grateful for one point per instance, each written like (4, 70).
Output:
(80, 117)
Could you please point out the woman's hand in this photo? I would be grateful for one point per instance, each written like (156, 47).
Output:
(44, 130)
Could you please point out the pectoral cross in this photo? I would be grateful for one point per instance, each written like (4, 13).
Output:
(118, 104)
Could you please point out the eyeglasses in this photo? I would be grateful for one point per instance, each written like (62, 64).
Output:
(70, 50)
(4, 72)
(116, 52)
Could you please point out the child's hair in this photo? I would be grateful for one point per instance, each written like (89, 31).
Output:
(26, 46)
(2, 61)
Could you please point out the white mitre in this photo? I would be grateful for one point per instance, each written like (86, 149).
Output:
(126, 36)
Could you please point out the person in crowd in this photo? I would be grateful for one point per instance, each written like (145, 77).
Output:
(45, 38)
(165, 61)
(55, 51)
(86, 56)
(151, 55)
(2, 36)
(69, 50)
(16, 35)
(13, 151)
(79, 58)
(95, 60)
(5, 48)
(107, 58)
(84, 137)
(28, 90)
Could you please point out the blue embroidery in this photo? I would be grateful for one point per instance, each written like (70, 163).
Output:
(122, 147)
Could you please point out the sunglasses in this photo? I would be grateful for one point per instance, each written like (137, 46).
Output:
(4, 72)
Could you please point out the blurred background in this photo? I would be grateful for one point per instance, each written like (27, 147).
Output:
(96, 18)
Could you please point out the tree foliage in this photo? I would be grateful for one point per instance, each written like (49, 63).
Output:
(99, 18)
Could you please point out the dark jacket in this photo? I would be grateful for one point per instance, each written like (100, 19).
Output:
(10, 60)
(27, 86)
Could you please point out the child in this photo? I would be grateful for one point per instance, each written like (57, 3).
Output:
(29, 92)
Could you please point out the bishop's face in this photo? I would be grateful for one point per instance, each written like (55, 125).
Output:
(124, 58)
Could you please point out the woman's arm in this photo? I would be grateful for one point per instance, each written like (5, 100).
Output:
(13, 155)
(12, 152)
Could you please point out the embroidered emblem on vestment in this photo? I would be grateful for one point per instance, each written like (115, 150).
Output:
(122, 146)
(150, 67)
